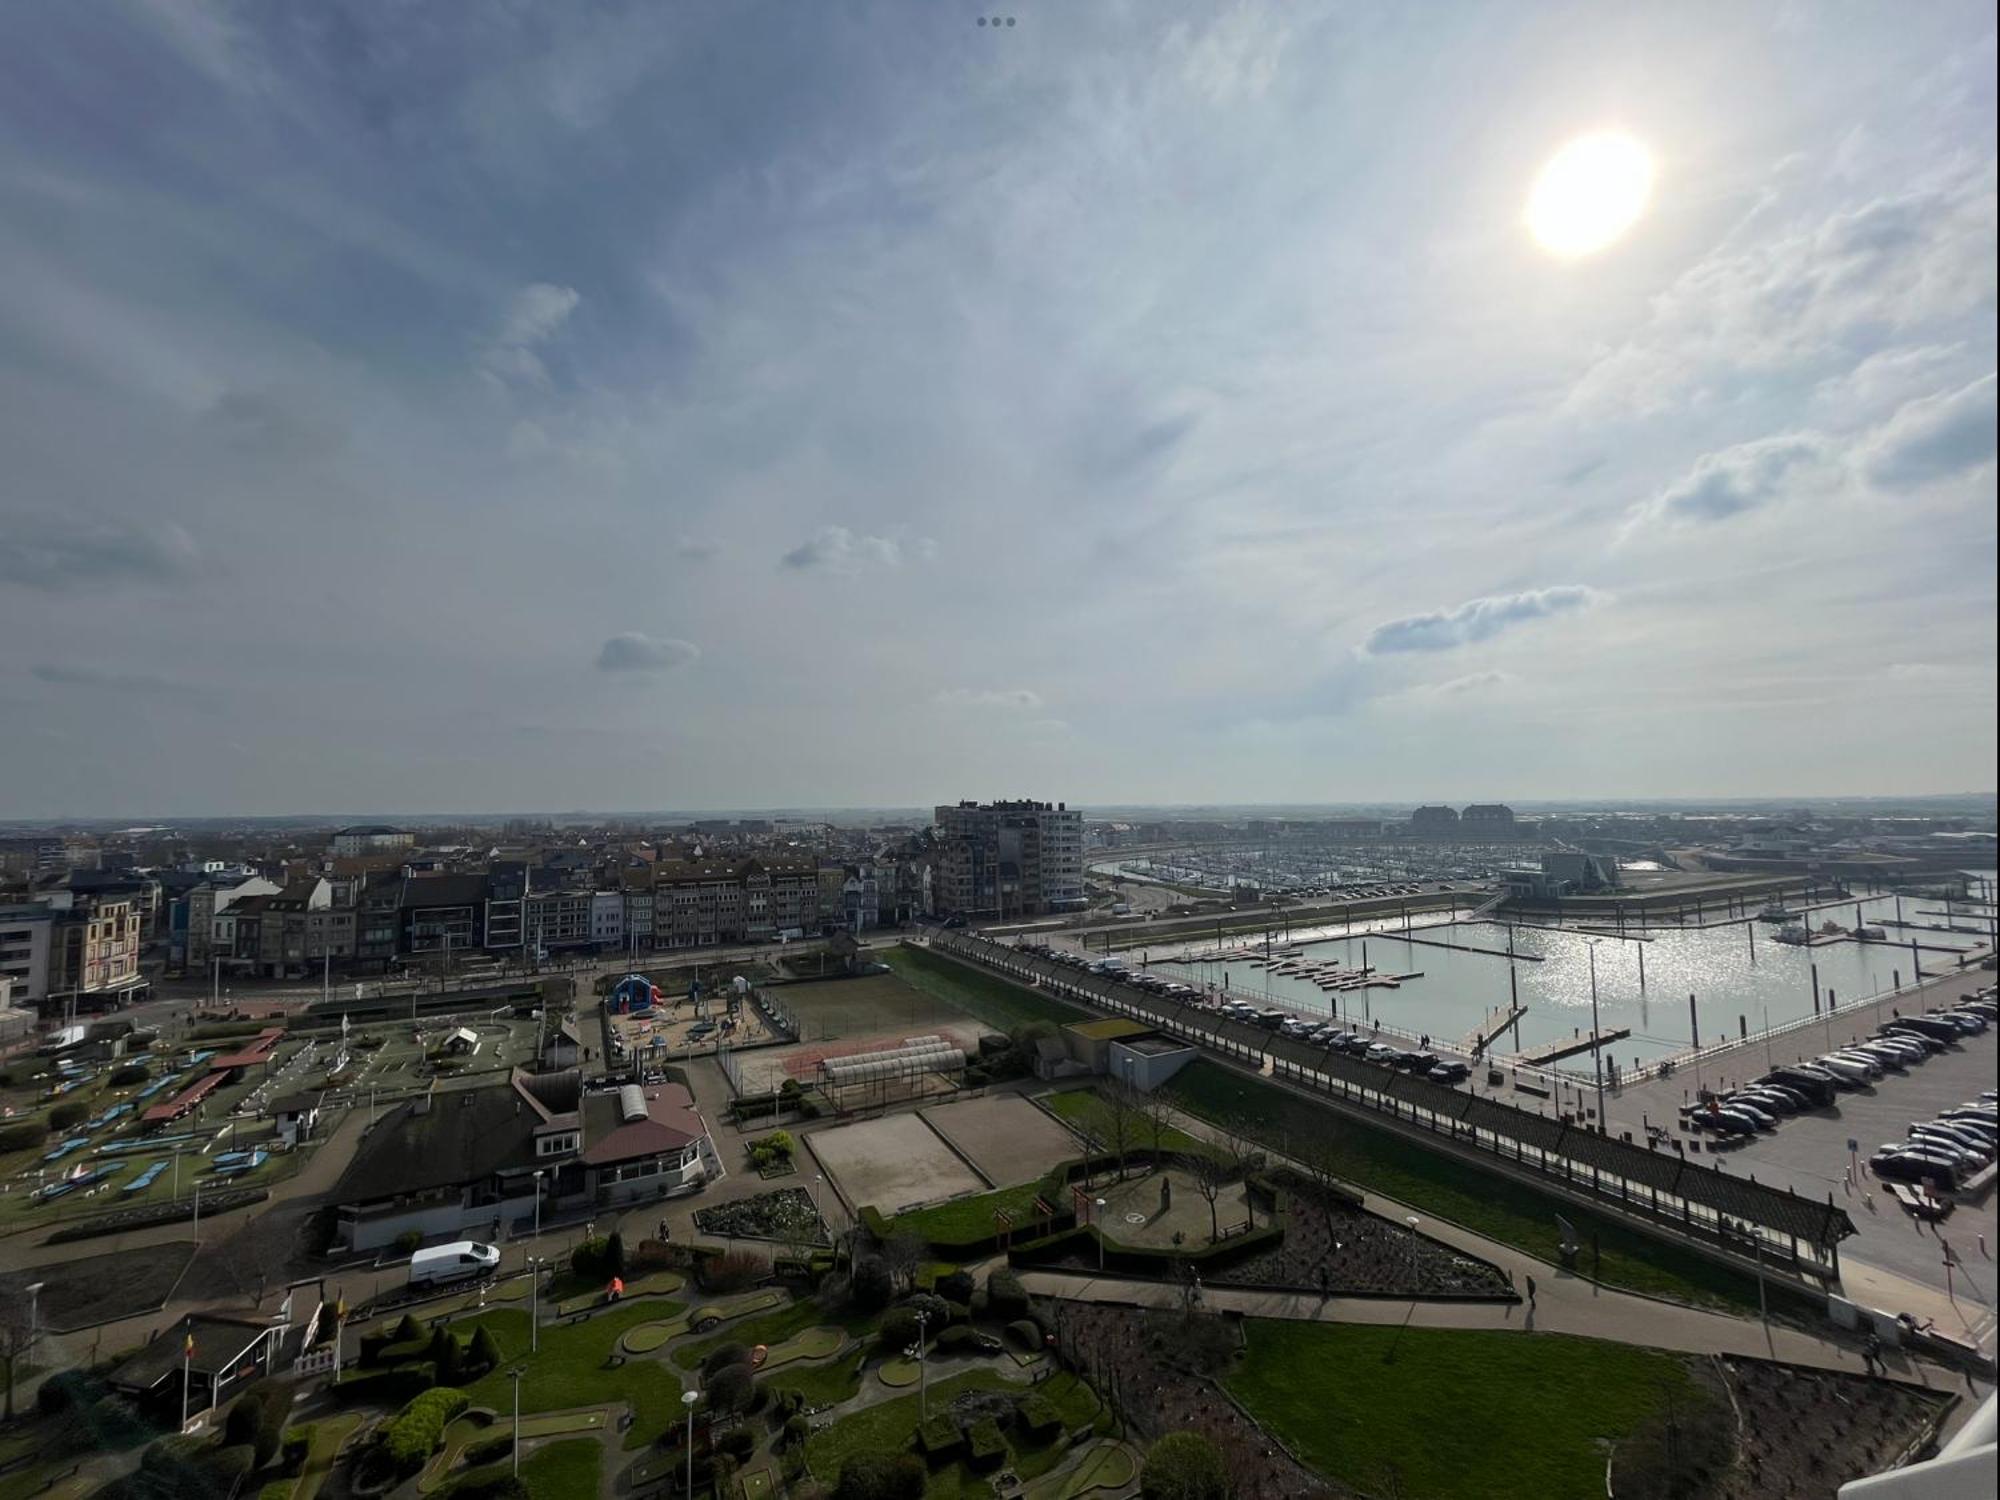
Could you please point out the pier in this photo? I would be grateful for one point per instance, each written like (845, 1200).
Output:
(1404, 937)
(1486, 1032)
(1541, 1057)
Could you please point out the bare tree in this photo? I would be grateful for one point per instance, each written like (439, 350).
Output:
(258, 1255)
(1214, 1170)
(903, 1251)
(1157, 1115)
(1123, 1110)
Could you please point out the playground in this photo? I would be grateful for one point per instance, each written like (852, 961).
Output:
(646, 1019)
(892, 1163)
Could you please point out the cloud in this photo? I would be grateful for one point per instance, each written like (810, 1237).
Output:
(635, 652)
(1734, 480)
(1473, 682)
(90, 677)
(1233, 57)
(696, 549)
(835, 549)
(1478, 619)
(534, 315)
(1933, 437)
(59, 552)
(1024, 699)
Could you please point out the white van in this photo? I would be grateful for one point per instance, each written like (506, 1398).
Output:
(454, 1262)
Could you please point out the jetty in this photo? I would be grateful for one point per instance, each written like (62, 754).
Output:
(1541, 1057)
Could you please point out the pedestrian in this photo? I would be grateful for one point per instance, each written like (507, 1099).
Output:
(1531, 1291)
(1871, 1352)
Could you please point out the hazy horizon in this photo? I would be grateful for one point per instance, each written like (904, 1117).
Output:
(791, 405)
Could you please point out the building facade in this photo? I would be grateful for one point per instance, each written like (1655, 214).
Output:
(1008, 859)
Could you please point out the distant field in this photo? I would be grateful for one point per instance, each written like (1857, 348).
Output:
(870, 1005)
(1000, 1003)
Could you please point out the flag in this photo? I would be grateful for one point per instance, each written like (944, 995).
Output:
(343, 1026)
(187, 1349)
(285, 1309)
(1568, 1231)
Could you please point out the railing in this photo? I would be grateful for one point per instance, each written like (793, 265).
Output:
(1692, 1216)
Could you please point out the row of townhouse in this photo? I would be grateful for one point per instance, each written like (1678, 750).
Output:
(71, 950)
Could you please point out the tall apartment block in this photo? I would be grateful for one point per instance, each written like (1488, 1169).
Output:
(1009, 859)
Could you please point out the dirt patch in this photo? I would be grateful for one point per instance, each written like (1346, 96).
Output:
(895, 1162)
(1807, 1432)
(1333, 1247)
(1007, 1138)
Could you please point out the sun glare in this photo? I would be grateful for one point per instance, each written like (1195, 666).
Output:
(1589, 194)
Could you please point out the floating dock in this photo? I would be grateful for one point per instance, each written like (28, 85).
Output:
(1556, 1051)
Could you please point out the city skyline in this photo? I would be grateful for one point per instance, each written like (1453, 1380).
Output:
(803, 407)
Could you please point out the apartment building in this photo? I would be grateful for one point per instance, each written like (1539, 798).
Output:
(69, 949)
(1007, 859)
(207, 901)
(558, 919)
(699, 902)
(371, 838)
(26, 935)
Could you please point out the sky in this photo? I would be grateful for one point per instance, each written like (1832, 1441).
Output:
(619, 406)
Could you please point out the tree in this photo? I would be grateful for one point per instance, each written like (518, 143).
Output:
(1122, 1114)
(1157, 1116)
(729, 1390)
(614, 1255)
(485, 1349)
(873, 1283)
(444, 1352)
(903, 1251)
(1213, 1171)
(899, 1329)
(1184, 1466)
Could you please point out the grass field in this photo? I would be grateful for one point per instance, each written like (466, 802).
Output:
(555, 1471)
(1506, 1211)
(963, 1220)
(1451, 1414)
(998, 1002)
(867, 1005)
(574, 1367)
(1086, 1109)
(821, 1385)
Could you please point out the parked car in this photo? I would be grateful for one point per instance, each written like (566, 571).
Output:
(1898, 1164)
(1768, 1100)
(1382, 1052)
(1964, 1140)
(1816, 1087)
(1450, 1072)
(1930, 1026)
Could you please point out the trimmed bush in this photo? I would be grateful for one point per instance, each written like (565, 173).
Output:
(733, 1270)
(614, 1256)
(1184, 1466)
(414, 1433)
(722, 1356)
(67, 1114)
(1005, 1296)
(1039, 1417)
(939, 1437)
(958, 1287)
(131, 1073)
(739, 1443)
(589, 1259)
(489, 1451)
(410, 1330)
(957, 1339)
(64, 1389)
(447, 1354)
(1026, 1332)
(899, 1329)
(485, 1350)
(872, 1284)
(729, 1390)
(985, 1447)
(797, 1430)
(21, 1137)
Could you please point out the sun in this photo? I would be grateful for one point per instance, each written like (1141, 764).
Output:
(1589, 194)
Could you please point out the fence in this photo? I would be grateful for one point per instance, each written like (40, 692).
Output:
(1700, 1203)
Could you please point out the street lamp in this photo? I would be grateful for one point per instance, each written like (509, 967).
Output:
(923, 1392)
(34, 1311)
(534, 1304)
(515, 1375)
(1596, 1035)
(1100, 1238)
(818, 1212)
(538, 1201)
(690, 1399)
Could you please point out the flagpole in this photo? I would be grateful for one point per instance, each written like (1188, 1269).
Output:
(187, 1360)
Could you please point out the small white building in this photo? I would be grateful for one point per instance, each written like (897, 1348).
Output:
(295, 1116)
(607, 919)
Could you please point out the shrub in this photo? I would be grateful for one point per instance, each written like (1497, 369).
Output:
(1005, 1296)
(984, 1446)
(739, 1443)
(115, 1424)
(872, 1284)
(489, 1451)
(899, 1329)
(722, 1356)
(408, 1242)
(446, 1353)
(882, 1476)
(257, 1418)
(1026, 1332)
(1184, 1466)
(229, 1466)
(485, 1350)
(939, 1437)
(387, 1387)
(294, 1450)
(934, 1310)
(614, 1256)
(67, 1114)
(414, 1433)
(957, 1339)
(64, 1389)
(733, 1270)
(797, 1430)
(652, 1255)
(410, 1330)
(587, 1259)
(1039, 1417)
(729, 1390)
(956, 1286)
(128, 1075)
(21, 1137)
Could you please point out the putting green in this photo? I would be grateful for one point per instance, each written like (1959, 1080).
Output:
(756, 1485)
(814, 1343)
(897, 1372)
(647, 1337)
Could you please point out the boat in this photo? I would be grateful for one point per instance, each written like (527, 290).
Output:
(1777, 911)
(1877, 934)
(1795, 934)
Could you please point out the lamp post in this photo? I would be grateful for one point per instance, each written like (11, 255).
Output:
(923, 1392)
(1100, 1238)
(1596, 1035)
(515, 1375)
(818, 1212)
(690, 1399)
(535, 1304)
(538, 1202)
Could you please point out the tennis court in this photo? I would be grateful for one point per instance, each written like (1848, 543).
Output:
(895, 1162)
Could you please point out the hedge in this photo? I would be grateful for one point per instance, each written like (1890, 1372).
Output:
(939, 1437)
(985, 1447)
(387, 1387)
(414, 1433)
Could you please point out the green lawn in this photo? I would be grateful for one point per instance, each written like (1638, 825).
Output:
(1451, 1414)
(575, 1367)
(1506, 1211)
(964, 1220)
(565, 1470)
(821, 1385)
(1000, 1003)
(888, 1427)
(1087, 1110)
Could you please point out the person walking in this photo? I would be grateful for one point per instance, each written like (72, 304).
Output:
(1531, 1291)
